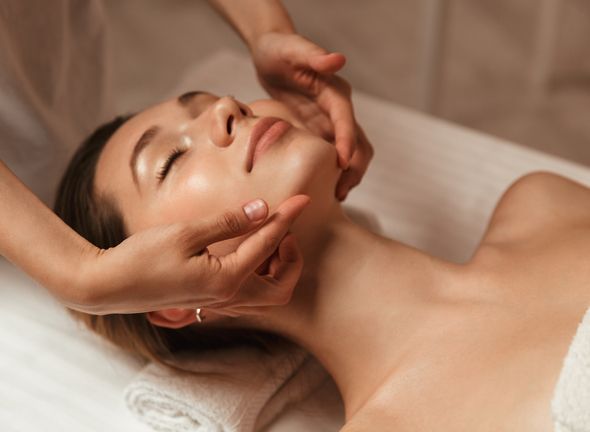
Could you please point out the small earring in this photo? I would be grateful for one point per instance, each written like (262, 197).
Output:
(199, 318)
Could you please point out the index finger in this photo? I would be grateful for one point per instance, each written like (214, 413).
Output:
(358, 165)
(259, 292)
(337, 103)
(263, 243)
(229, 223)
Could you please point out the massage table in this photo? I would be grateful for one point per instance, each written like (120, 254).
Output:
(432, 185)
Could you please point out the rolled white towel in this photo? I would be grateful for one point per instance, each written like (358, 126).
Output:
(228, 391)
(571, 400)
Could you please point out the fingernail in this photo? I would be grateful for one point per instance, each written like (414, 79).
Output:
(255, 210)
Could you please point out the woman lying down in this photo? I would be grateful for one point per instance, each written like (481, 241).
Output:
(413, 342)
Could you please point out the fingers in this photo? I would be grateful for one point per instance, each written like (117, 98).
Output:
(228, 273)
(327, 64)
(287, 263)
(263, 243)
(335, 100)
(307, 70)
(358, 166)
(303, 53)
(310, 113)
(230, 223)
(298, 51)
(258, 293)
(348, 180)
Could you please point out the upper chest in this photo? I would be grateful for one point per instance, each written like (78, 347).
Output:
(485, 369)
(493, 365)
(490, 365)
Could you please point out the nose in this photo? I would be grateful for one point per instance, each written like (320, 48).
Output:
(227, 113)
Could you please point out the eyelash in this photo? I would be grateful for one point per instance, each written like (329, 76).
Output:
(169, 162)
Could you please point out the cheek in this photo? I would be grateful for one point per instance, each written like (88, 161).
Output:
(204, 187)
(307, 166)
(198, 196)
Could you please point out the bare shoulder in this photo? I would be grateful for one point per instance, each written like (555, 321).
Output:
(539, 203)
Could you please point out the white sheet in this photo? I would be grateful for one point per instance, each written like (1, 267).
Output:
(432, 185)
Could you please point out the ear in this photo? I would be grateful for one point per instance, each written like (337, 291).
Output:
(172, 318)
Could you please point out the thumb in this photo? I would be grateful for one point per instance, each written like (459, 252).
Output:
(327, 64)
(229, 223)
(300, 52)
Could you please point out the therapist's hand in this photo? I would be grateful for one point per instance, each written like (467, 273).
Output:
(170, 266)
(299, 73)
(359, 163)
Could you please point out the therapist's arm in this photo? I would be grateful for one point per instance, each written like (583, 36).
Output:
(160, 268)
(302, 74)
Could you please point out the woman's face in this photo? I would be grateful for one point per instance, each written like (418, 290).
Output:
(195, 155)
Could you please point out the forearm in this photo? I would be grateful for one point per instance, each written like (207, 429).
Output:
(38, 242)
(253, 18)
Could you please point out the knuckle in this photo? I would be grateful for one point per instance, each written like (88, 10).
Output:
(229, 224)
(271, 244)
(181, 232)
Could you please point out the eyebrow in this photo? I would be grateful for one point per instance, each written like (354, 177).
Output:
(185, 99)
(141, 144)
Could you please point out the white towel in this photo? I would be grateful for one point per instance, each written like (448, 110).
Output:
(229, 391)
(571, 400)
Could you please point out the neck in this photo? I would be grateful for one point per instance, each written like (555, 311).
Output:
(357, 290)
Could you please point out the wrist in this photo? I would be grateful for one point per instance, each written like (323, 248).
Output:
(254, 37)
(254, 18)
(87, 281)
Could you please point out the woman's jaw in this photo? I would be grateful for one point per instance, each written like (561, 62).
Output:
(191, 157)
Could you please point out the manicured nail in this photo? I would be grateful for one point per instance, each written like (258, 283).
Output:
(255, 210)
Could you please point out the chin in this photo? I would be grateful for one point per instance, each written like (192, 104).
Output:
(307, 166)
(320, 186)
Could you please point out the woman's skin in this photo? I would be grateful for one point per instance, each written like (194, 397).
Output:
(128, 278)
(414, 342)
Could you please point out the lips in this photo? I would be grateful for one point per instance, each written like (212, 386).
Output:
(264, 134)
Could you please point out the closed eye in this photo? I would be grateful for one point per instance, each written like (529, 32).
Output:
(175, 154)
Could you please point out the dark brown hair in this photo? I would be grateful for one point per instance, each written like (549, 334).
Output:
(98, 220)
